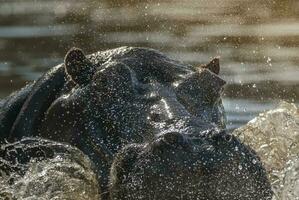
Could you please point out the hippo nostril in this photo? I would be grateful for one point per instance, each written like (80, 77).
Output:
(228, 137)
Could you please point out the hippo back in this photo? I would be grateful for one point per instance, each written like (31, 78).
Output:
(10, 108)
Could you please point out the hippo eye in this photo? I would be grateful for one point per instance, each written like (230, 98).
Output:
(200, 94)
(156, 117)
(173, 138)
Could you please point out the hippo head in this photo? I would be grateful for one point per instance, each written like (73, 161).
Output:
(210, 166)
(169, 114)
(127, 95)
(130, 93)
(174, 115)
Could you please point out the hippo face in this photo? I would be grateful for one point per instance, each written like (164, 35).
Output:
(164, 120)
(128, 95)
(214, 166)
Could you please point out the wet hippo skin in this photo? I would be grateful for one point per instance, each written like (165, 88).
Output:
(158, 122)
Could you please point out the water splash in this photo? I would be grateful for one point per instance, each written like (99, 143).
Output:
(275, 137)
(66, 174)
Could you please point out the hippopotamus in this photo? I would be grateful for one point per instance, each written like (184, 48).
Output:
(154, 127)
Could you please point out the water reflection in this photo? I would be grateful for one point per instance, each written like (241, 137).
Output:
(257, 40)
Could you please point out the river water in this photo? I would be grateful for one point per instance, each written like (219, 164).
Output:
(257, 41)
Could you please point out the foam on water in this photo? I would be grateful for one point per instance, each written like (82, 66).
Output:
(275, 137)
(65, 175)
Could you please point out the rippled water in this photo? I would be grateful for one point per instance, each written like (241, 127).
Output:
(256, 40)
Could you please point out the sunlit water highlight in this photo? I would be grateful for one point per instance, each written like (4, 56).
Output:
(275, 137)
(67, 174)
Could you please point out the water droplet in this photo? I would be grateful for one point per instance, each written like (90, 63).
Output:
(269, 61)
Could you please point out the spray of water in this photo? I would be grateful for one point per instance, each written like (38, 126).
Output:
(275, 137)
(58, 172)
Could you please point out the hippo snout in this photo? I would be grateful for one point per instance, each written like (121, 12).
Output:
(211, 166)
(170, 140)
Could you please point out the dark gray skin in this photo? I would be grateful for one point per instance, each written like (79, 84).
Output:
(105, 101)
(191, 156)
(211, 165)
(10, 108)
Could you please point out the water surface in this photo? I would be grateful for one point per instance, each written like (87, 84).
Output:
(256, 40)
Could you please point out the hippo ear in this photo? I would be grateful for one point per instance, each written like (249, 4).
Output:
(77, 66)
(213, 65)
